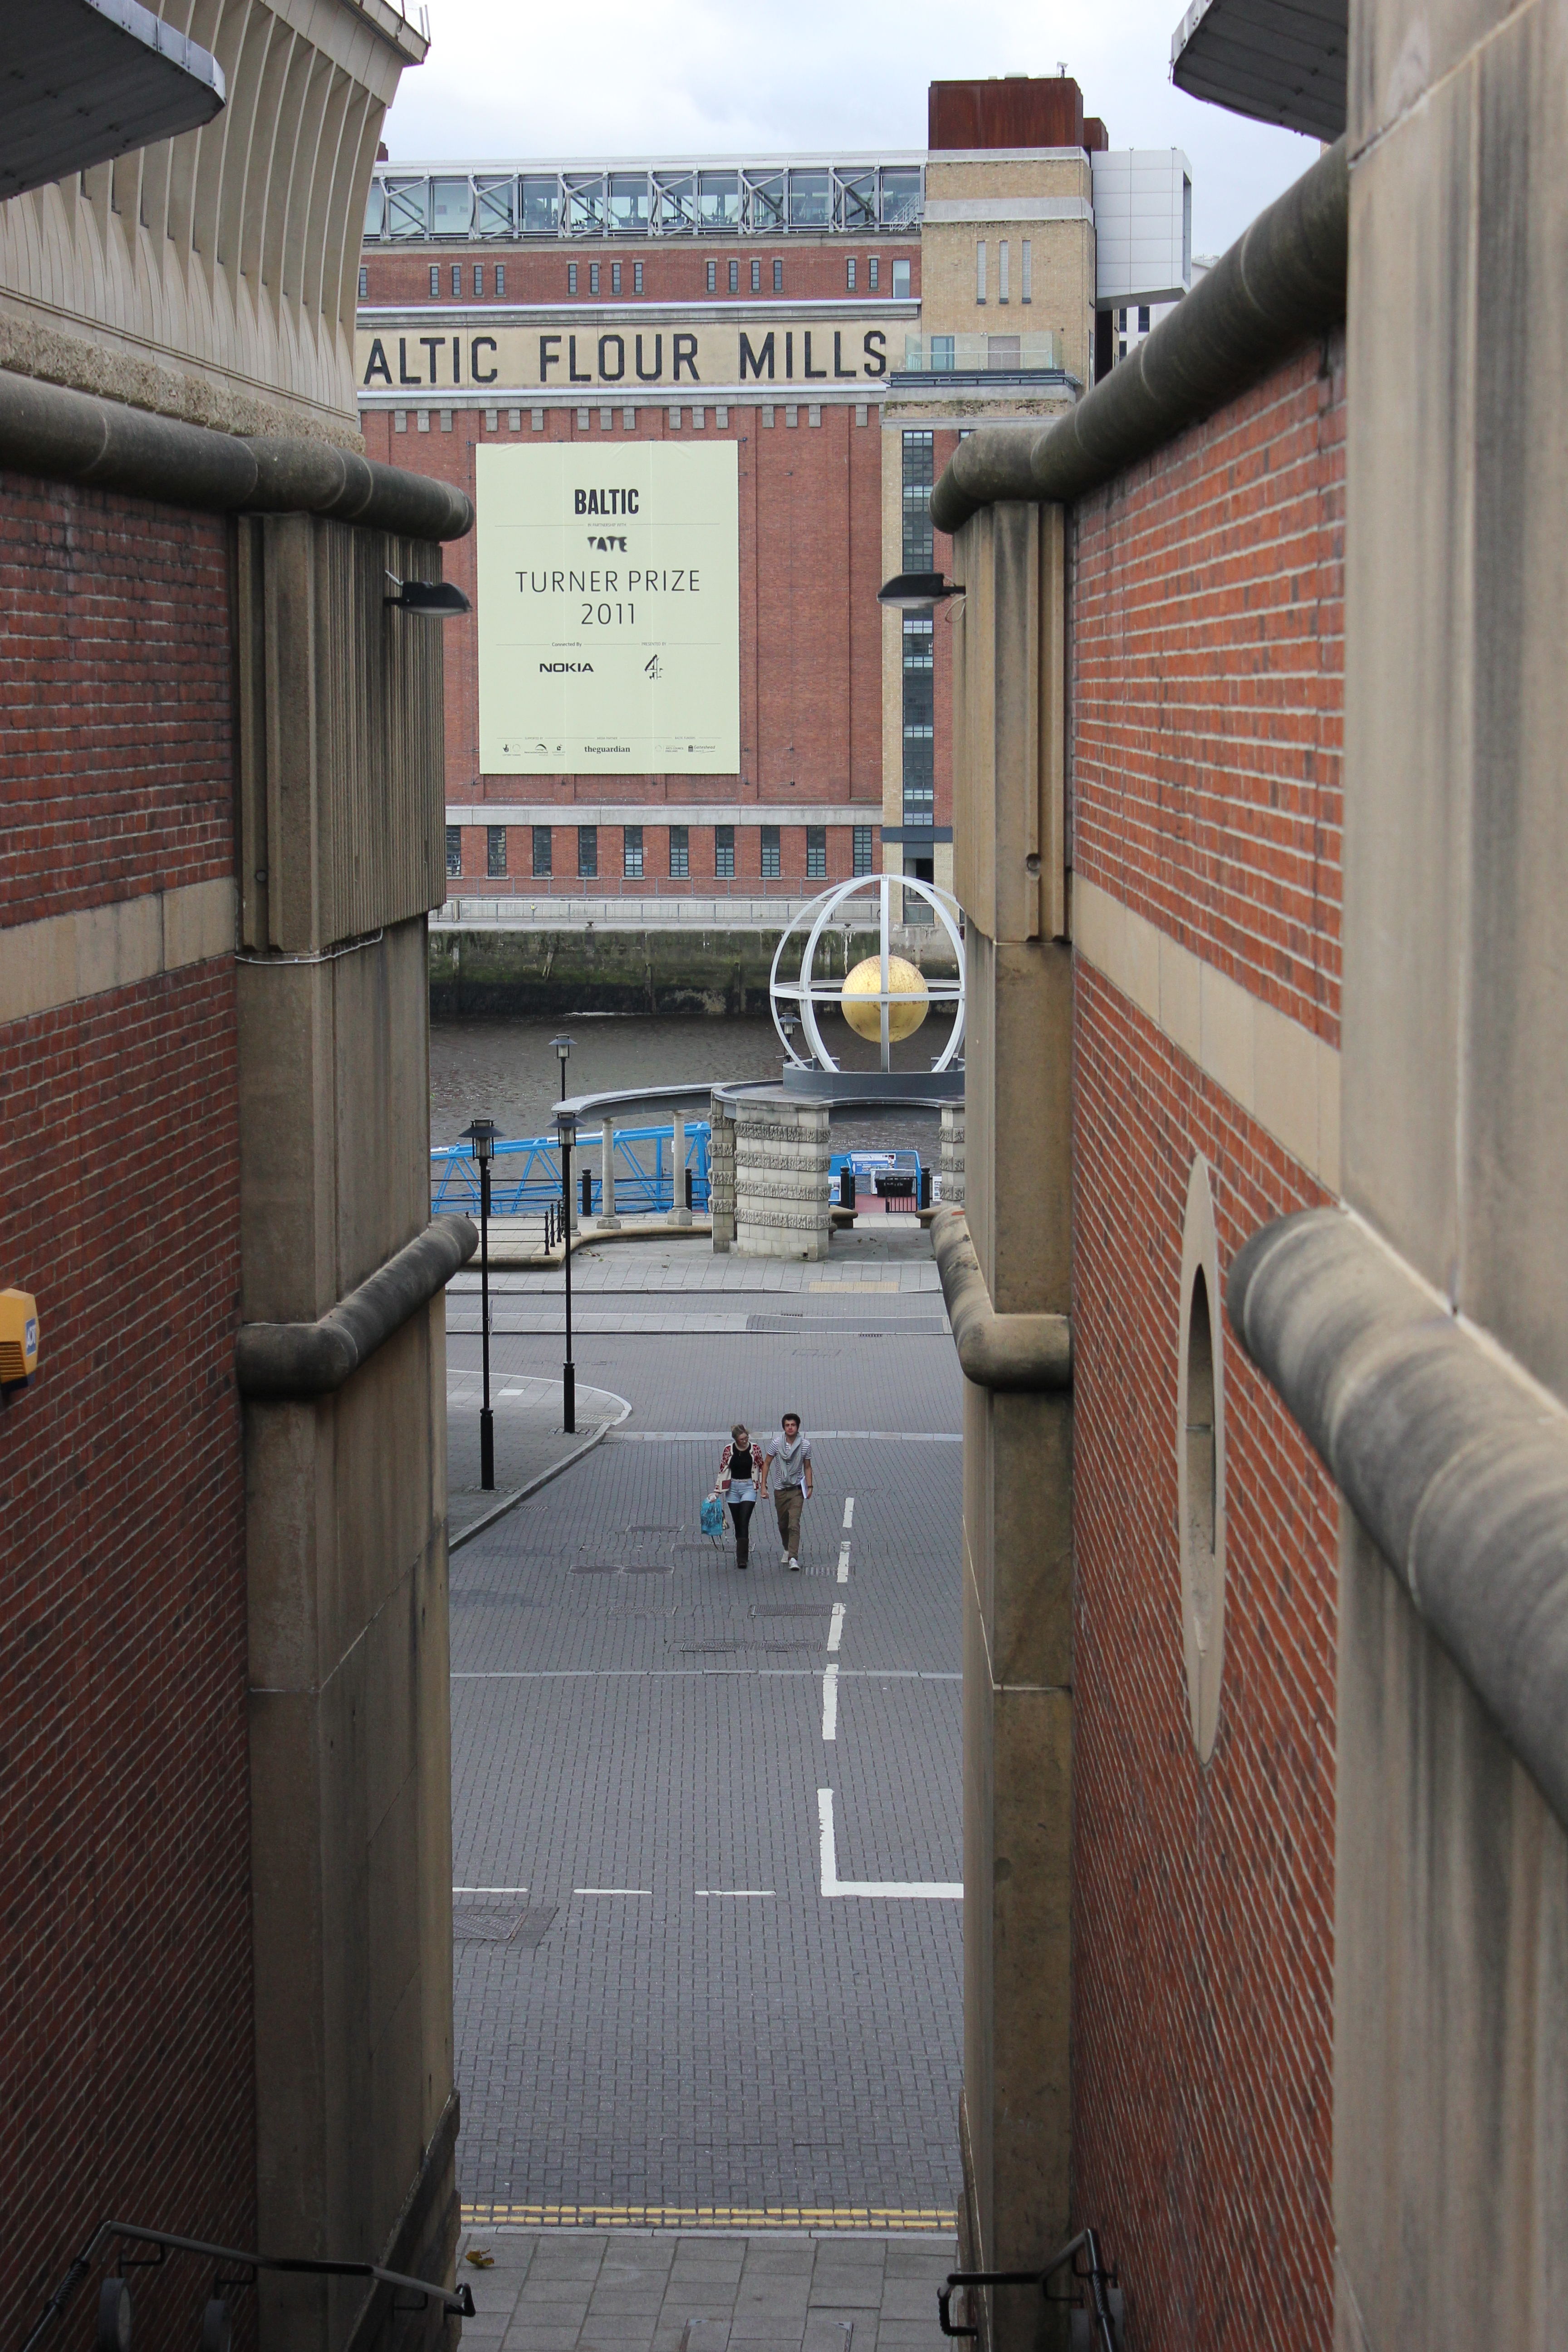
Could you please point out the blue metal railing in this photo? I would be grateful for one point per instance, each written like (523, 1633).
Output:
(525, 1173)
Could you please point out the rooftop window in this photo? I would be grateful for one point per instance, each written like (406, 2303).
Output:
(764, 199)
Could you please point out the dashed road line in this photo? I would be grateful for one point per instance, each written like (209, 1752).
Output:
(835, 1625)
(848, 1513)
(830, 1703)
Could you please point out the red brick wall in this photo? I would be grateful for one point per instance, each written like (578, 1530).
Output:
(811, 551)
(115, 682)
(792, 881)
(1206, 614)
(125, 1993)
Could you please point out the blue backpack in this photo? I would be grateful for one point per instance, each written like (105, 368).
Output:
(713, 1516)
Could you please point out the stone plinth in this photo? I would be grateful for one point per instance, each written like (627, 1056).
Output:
(781, 1178)
(950, 1159)
(721, 1174)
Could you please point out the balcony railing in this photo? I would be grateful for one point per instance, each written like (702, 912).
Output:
(1037, 354)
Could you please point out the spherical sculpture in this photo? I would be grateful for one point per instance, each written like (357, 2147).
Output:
(862, 993)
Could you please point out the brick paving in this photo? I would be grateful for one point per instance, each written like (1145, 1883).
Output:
(718, 2043)
(674, 2291)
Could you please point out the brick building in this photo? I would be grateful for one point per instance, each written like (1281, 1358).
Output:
(225, 1923)
(839, 321)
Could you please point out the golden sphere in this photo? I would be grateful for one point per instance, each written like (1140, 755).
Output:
(909, 999)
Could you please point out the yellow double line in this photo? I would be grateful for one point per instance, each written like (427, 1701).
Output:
(490, 2215)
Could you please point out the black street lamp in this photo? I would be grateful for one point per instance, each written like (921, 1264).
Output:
(566, 1130)
(480, 1138)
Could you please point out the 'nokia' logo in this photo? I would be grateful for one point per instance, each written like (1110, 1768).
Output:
(561, 669)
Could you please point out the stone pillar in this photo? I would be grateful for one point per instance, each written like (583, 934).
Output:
(952, 1158)
(345, 1494)
(608, 1221)
(781, 1178)
(679, 1215)
(1009, 667)
(721, 1173)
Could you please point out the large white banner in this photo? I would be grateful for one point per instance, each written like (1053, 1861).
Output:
(609, 608)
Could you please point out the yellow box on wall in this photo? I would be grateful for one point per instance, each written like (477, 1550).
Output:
(18, 1337)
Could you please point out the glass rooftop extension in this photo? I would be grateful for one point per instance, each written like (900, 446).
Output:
(706, 199)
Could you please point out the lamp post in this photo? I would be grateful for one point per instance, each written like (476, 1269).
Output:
(480, 1138)
(566, 1130)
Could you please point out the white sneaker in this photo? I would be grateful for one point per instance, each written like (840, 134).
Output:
(784, 1560)
(794, 1564)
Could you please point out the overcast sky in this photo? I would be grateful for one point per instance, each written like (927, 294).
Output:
(505, 81)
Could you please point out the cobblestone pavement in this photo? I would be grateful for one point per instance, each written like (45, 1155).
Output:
(645, 2291)
(661, 2015)
(530, 1439)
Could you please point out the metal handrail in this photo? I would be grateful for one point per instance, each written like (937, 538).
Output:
(1105, 2297)
(458, 2299)
(454, 1175)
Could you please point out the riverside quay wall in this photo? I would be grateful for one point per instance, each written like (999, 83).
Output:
(599, 966)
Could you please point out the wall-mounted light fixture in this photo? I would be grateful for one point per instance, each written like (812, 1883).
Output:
(916, 591)
(433, 600)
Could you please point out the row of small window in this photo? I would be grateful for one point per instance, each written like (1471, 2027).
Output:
(459, 273)
(761, 201)
(542, 846)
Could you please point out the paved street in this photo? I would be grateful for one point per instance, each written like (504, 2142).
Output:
(661, 1766)
(639, 2291)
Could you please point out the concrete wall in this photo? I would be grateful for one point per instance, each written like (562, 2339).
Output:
(345, 1495)
(1451, 2157)
(1017, 1449)
(780, 1179)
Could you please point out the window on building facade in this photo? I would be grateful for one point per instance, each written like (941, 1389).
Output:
(593, 277)
(636, 278)
(849, 274)
(434, 282)
(778, 276)
(454, 851)
(363, 285)
(756, 276)
(457, 282)
(587, 853)
(860, 849)
(769, 853)
(500, 278)
(724, 852)
(680, 852)
(615, 276)
(631, 853)
(1142, 318)
(1026, 269)
(979, 270)
(735, 278)
(1002, 272)
(571, 277)
(875, 272)
(713, 277)
(901, 282)
(816, 852)
(495, 850)
(919, 475)
(542, 860)
(919, 716)
(478, 276)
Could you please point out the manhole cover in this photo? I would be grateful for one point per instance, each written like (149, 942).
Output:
(491, 1923)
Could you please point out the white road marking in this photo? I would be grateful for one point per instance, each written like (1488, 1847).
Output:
(848, 1512)
(489, 1890)
(830, 1703)
(738, 1894)
(932, 1890)
(844, 1561)
(835, 1625)
(612, 1890)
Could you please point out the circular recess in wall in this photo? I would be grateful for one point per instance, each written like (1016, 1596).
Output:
(1200, 1461)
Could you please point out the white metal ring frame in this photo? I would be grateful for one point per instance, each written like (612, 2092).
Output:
(808, 992)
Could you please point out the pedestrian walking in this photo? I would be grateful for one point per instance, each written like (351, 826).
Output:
(741, 1467)
(786, 1468)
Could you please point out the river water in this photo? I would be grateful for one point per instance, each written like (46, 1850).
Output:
(505, 1068)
